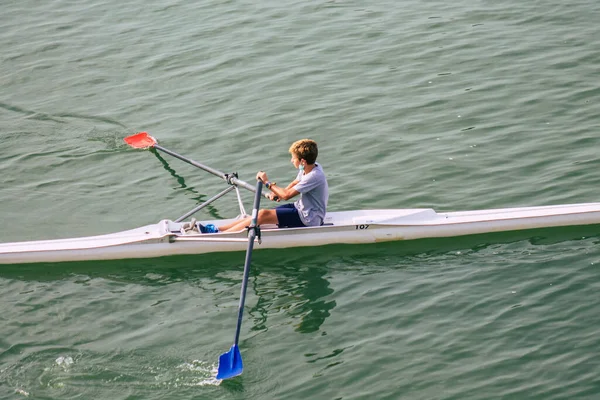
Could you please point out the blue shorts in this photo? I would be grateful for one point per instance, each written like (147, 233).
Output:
(288, 217)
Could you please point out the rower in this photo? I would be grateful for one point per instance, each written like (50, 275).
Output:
(310, 184)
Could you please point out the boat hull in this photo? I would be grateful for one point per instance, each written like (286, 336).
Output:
(347, 227)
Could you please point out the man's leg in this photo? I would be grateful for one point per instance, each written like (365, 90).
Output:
(264, 217)
(223, 228)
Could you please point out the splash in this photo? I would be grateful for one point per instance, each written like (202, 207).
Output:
(190, 374)
(64, 362)
(202, 367)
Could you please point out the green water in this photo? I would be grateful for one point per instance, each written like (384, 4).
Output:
(454, 106)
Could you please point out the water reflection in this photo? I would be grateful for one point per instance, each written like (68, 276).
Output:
(199, 197)
(299, 292)
(289, 286)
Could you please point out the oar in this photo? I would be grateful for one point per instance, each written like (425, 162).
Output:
(143, 140)
(230, 363)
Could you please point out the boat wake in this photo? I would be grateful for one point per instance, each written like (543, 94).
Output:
(62, 374)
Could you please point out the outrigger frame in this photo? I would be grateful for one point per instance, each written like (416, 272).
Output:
(143, 140)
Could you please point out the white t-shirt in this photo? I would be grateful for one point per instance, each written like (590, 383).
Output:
(314, 193)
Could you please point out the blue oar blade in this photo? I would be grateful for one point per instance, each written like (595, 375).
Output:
(230, 363)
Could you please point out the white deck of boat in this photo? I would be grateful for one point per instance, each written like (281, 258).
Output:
(406, 223)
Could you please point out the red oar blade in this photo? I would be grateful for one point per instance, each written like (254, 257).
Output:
(140, 140)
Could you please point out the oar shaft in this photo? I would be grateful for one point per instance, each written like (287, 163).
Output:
(194, 163)
(234, 180)
(251, 237)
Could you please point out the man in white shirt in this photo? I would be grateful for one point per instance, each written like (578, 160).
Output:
(310, 184)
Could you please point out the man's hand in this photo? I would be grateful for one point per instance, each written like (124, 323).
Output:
(262, 176)
(272, 196)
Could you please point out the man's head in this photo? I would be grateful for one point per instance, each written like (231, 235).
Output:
(304, 149)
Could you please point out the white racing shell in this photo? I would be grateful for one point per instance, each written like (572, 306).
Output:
(346, 227)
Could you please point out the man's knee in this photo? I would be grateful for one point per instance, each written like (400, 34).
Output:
(267, 216)
(262, 214)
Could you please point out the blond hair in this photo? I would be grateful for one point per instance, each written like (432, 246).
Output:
(305, 149)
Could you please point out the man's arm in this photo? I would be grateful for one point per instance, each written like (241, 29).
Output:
(287, 193)
(292, 184)
(281, 193)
